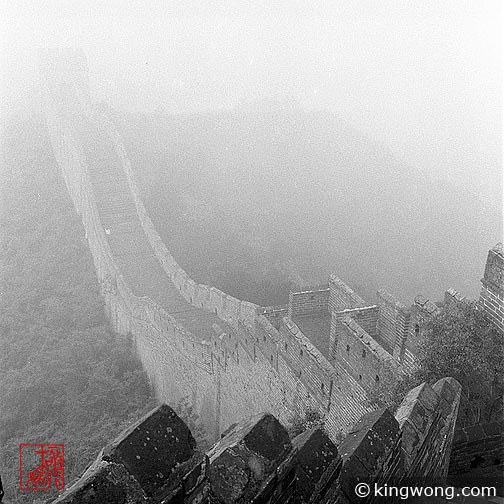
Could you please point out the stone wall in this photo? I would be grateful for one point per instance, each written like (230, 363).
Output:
(392, 324)
(453, 296)
(274, 314)
(477, 447)
(261, 361)
(202, 296)
(308, 301)
(342, 296)
(161, 342)
(420, 313)
(359, 354)
(492, 290)
(366, 317)
(227, 374)
(156, 459)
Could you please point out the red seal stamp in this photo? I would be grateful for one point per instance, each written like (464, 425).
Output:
(40, 465)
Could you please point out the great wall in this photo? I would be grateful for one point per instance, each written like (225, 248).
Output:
(230, 358)
(155, 460)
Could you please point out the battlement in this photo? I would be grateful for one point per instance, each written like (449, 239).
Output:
(342, 296)
(255, 460)
(231, 357)
(492, 288)
(453, 296)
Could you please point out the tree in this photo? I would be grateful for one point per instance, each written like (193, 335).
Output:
(461, 342)
(65, 376)
(389, 392)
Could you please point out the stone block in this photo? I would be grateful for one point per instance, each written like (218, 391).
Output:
(153, 449)
(417, 406)
(105, 483)
(447, 388)
(410, 439)
(243, 461)
(315, 452)
(368, 445)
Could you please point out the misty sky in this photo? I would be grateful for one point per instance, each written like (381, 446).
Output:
(423, 76)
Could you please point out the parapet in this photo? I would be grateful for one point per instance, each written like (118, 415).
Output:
(156, 460)
(494, 269)
(453, 296)
(342, 296)
(492, 290)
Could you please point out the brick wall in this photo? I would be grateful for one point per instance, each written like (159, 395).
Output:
(310, 365)
(341, 296)
(492, 290)
(308, 302)
(274, 314)
(255, 461)
(420, 313)
(392, 324)
(359, 354)
(366, 317)
(453, 296)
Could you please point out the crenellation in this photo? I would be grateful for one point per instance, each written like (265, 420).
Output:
(492, 286)
(229, 356)
(365, 316)
(393, 323)
(256, 461)
(359, 354)
(453, 296)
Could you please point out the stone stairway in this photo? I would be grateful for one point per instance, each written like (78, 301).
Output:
(129, 245)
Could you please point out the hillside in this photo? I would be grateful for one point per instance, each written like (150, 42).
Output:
(65, 377)
(251, 200)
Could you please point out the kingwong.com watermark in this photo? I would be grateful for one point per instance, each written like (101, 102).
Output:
(364, 490)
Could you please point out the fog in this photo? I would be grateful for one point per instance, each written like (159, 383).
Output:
(412, 90)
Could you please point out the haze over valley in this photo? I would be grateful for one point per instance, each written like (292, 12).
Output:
(273, 144)
(254, 199)
(281, 143)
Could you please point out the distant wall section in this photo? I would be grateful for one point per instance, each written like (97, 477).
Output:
(492, 290)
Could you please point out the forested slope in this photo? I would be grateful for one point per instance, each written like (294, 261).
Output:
(65, 377)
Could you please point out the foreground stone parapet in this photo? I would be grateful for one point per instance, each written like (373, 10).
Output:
(370, 452)
(155, 461)
(154, 458)
(243, 461)
(318, 464)
(153, 449)
(427, 418)
(478, 446)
